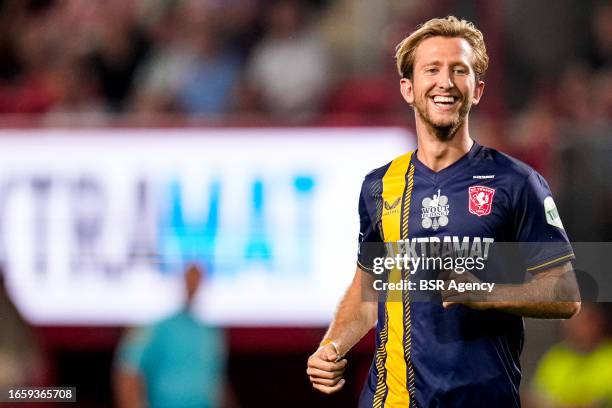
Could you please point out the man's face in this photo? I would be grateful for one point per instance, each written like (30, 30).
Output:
(443, 86)
(193, 279)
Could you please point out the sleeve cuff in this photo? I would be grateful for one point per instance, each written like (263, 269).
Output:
(550, 263)
(365, 268)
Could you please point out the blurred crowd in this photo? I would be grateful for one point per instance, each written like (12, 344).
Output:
(191, 57)
(293, 60)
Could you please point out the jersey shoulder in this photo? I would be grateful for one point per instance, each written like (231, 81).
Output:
(378, 173)
(504, 163)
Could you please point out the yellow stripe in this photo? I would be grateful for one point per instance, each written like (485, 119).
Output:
(394, 184)
(551, 262)
(406, 297)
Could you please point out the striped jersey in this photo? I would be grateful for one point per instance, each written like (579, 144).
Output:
(428, 356)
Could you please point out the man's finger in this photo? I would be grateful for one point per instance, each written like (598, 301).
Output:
(324, 374)
(327, 365)
(473, 305)
(325, 381)
(329, 390)
(454, 296)
(463, 297)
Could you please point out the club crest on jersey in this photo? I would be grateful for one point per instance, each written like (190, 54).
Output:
(435, 210)
(481, 200)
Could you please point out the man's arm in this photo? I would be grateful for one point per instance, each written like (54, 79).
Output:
(356, 313)
(129, 389)
(355, 316)
(552, 294)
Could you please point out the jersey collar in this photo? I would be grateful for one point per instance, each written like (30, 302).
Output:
(448, 171)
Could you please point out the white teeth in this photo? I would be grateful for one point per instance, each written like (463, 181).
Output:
(444, 99)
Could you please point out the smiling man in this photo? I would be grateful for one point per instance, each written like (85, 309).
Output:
(455, 350)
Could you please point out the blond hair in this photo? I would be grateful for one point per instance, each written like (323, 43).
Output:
(450, 26)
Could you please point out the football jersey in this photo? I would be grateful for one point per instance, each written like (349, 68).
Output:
(428, 356)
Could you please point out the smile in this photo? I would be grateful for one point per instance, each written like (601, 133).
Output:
(444, 101)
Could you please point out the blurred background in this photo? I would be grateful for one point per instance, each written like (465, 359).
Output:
(143, 140)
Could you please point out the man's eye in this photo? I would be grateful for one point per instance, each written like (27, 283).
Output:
(431, 70)
(460, 71)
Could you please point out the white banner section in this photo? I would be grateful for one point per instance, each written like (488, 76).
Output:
(96, 225)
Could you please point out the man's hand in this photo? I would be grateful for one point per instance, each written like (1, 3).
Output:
(551, 294)
(325, 369)
(475, 299)
(355, 316)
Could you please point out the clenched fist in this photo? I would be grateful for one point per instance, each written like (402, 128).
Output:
(325, 369)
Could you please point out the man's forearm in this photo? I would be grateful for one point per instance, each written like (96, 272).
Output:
(552, 295)
(537, 309)
(355, 315)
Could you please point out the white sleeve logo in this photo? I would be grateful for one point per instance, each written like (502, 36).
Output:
(552, 215)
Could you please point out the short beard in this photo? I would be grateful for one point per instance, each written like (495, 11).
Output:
(443, 133)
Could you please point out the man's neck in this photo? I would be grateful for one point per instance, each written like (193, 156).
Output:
(437, 154)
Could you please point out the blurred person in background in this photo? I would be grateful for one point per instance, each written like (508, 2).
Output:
(601, 89)
(157, 80)
(20, 359)
(192, 69)
(52, 64)
(288, 72)
(533, 134)
(577, 372)
(599, 53)
(119, 46)
(571, 94)
(76, 100)
(177, 362)
(210, 77)
(34, 41)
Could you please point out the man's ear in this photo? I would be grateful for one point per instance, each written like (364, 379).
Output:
(407, 91)
(478, 91)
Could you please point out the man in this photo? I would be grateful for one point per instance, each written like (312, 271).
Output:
(178, 362)
(454, 350)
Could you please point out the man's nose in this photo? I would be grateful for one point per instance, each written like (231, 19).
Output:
(445, 79)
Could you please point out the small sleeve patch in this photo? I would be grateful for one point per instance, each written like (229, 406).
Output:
(552, 215)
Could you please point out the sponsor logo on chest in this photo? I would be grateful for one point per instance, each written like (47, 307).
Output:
(391, 206)
(435, 211)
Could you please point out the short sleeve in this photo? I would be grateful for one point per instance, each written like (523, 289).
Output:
(539, 228)
(370, 241)
(132, 348)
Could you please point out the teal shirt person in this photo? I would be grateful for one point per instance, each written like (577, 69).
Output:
(180, 359)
